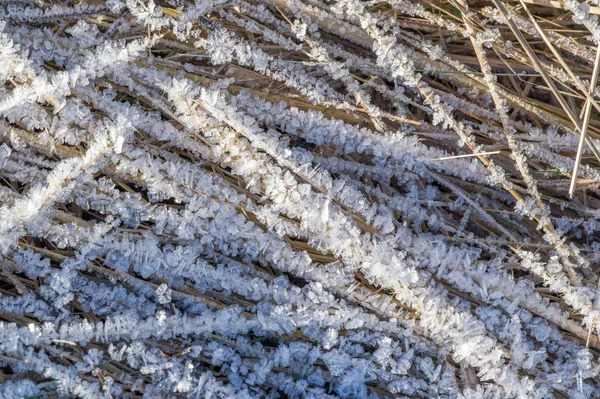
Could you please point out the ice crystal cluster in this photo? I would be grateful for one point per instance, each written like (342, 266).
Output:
(299, 199)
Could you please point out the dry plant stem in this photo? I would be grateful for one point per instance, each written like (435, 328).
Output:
(520, 161)
(557, 39)
(586, 112)
(559, 97)
(549, 81)
(587, 94)
(426, 92)
(65, 218)
(296, 170)
(454, 126)
(586, 120)
(501, 47)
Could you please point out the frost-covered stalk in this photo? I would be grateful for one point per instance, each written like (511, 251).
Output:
(403, 67)
(540, 211)
(489, 364)
(58, 184)
(289, 212)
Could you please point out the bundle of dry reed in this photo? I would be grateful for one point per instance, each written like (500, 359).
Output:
(285, 198)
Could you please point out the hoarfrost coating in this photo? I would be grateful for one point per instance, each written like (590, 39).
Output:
(289, 199)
